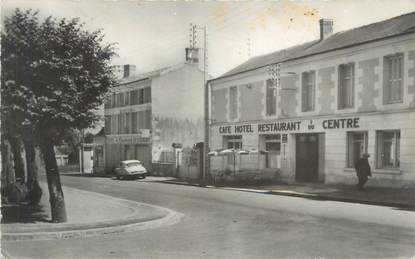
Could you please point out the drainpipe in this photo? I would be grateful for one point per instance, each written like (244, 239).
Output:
(206, 161)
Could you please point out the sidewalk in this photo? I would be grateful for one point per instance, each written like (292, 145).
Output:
(402, 198)
(89, 214)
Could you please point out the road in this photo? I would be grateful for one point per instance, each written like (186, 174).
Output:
(234, 224)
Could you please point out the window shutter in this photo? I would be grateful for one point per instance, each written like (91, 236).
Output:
(304, 92)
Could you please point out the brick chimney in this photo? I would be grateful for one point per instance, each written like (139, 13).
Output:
(326, 28)
(129, 70)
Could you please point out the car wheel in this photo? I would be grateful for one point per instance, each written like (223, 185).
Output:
(144, 177)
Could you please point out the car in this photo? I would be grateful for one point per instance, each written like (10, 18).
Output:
(130, 169)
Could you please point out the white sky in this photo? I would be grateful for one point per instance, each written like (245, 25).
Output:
(154, 34)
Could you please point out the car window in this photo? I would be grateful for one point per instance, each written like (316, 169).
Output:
(133, 164)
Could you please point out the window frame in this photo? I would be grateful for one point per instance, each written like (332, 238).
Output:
(350, 146)
(380, 144)
(343, 101)
(270, 99)
(388, 80)
(233, 103)
(306, 85)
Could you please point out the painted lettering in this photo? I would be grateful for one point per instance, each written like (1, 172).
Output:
(225, 129)
(341, 123)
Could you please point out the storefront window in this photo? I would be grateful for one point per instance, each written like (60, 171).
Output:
(232, 142)
(388, 149)
(356, 146)
(273, 146)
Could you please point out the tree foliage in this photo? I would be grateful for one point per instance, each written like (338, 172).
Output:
(55, 73)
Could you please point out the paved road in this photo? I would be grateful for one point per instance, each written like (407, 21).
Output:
(233, 224)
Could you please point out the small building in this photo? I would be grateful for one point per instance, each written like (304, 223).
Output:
(316, 107)
(149, 112)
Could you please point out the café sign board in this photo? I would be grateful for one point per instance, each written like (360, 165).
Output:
(291, 126)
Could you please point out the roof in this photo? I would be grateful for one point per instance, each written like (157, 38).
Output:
(399, 25)
(100, 133)
(150, 74)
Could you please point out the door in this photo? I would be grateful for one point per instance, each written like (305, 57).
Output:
(143, 153)
(306, 158)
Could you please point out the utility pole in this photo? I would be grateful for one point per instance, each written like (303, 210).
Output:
(193, 41)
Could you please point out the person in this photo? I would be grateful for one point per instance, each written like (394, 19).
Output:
(362, 170)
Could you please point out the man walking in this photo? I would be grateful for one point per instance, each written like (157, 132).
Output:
(362, 170)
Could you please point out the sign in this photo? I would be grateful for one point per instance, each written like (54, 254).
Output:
(127, 139)
(176, 145)
(291, 126)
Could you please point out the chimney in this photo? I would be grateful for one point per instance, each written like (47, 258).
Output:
(326, 28)
(129, 70)
(192, 55)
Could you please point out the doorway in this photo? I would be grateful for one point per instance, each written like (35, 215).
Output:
(306, 158)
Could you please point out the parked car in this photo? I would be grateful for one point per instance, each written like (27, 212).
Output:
(130, 169)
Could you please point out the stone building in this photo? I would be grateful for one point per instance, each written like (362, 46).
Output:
(324, 103)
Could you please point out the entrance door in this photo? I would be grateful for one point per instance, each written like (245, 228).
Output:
(307, 158)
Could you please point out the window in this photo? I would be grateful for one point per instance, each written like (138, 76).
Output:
(346, 86)
(127, 98)
(127, 121)
(134, 97)
(141, 96)
(388, 149)
(147, 119)
(120, 100)
(113, 103)
(234, 142)
(273, 146)
(144, 119)
(120, 124)
(271, 98)
(147, 95)
(108, 102)
(108, 124)
(134, 125)
(356, 146)
(393, 78)
(308, 91)
(233, 102)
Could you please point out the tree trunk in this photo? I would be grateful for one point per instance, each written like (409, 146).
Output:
(32, 183)
(57, 202)
(17, 158)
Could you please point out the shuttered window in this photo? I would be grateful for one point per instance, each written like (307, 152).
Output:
(308, 91)
(107, 126)
(134, 122)
(393, 78)
(271, 98)
(233, 102)
(346, 86)
(134, 97)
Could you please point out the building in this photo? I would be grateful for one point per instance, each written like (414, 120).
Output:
(149, 112)
(316, 107)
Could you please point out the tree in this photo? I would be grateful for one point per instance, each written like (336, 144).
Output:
(55, 73)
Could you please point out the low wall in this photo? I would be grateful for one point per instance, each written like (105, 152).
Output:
(163, 169)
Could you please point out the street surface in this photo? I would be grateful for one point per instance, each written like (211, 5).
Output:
(234, 224)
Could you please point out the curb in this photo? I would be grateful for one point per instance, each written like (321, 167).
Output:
(101, 228)
(402, 206)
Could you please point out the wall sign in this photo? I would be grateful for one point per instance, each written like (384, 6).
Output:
(291, 126)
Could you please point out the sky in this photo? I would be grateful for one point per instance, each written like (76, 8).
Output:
(154, 34)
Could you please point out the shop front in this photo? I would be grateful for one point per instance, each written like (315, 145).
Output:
(320, 149)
